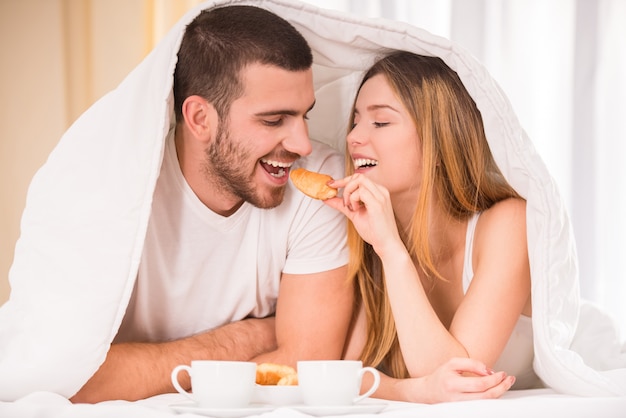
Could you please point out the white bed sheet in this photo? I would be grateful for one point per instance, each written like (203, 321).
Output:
(523, 404)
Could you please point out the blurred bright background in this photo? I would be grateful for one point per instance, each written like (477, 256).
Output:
(561, 63)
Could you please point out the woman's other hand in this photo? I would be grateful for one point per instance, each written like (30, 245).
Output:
(459, 379)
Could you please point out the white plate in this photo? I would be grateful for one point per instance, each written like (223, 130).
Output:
(192, 408)
(277, 395)
(363, 407)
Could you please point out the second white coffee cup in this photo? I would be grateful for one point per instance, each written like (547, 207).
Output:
(334, 382)
(218, 384)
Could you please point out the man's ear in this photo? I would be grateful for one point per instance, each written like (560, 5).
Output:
(200, 117)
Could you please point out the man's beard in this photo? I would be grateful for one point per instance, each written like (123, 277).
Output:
(226, 166)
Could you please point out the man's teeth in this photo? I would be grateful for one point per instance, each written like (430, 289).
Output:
(276, 163)
(362, 162)
(281, 173)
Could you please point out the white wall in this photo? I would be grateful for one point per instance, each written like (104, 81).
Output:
(58, 56)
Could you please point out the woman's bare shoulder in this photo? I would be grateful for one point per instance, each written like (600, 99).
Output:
(502, 226)
(505, 212)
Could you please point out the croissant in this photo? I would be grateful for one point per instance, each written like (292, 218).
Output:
(276, 374)
(312, 184)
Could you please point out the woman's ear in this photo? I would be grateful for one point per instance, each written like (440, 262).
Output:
(200, 117)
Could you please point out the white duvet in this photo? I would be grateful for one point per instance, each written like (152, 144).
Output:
(87, 211)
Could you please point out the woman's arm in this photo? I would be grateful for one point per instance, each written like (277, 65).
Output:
(424, 340)
(458, 379)
(500, 290)
(487, 314)
(497, 296)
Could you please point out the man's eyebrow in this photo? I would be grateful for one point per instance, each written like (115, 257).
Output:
(289, 112)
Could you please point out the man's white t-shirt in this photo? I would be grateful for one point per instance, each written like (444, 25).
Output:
(200, 270)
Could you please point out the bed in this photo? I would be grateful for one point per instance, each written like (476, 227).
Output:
(47, 352)
(536, 403)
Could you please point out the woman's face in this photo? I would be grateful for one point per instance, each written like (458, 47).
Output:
(383, 143)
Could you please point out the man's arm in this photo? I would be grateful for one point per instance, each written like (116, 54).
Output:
(135, 371)
(312, 317)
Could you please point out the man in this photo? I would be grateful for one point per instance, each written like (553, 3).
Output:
(227, 233)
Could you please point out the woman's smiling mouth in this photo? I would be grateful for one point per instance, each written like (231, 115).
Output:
(364, 163)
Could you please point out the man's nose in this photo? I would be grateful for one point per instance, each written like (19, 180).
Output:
(298, 140)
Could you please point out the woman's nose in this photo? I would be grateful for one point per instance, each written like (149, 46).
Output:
(354, 137)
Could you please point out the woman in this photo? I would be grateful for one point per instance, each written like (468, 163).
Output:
(437, 240)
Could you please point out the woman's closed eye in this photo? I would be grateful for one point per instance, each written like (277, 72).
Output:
(380, 124)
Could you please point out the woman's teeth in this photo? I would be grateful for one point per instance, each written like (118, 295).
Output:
(364, 162)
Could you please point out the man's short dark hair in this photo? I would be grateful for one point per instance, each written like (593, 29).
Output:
(220, 42)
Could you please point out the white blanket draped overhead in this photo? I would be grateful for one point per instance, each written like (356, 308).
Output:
(87, 211)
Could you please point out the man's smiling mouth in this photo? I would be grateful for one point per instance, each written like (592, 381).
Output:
(276, 169)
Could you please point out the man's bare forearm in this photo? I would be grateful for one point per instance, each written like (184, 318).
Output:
(135, 371)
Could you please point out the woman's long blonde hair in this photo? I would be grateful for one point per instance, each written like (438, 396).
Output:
(457, 167)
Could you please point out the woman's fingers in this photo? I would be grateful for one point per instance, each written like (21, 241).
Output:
(468, 379)
(468, 365)
(368, 206)
(486, 387)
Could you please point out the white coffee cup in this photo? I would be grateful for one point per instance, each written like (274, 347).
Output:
(218, 384)
(334, 382)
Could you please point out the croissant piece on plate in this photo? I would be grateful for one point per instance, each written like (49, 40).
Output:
(276, 374)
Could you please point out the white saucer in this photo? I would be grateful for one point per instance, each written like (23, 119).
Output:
(363, 407)
(192, 408)
(277, 395)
